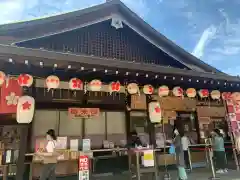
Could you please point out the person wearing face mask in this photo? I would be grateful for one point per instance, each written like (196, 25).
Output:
(49, 156)
(177, 141)
(219, 151)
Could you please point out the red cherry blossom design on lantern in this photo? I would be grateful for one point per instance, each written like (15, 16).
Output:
(75, 84)
(25, 80)
(205, 93)
(150, 89)
(157, 109)
(26, 105)
(180, 91)
(115, 86)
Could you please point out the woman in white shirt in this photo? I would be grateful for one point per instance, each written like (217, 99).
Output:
(49, 157)
(185, 145)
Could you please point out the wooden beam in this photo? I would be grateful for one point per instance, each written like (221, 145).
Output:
(22, 152)
(43, 55)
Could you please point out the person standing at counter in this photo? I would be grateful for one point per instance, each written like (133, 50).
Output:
(185, 145)
(49, 157)
(219, 152)
(177, 141)
(134, 141)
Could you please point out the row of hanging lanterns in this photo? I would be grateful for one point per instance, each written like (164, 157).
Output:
(75, 84)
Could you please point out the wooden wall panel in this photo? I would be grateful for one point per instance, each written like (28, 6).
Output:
(69, 127)
(177, 104)
(207, 111)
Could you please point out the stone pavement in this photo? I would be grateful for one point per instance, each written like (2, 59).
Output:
(196, 174)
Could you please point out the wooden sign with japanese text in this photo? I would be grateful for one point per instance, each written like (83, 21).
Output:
(75, 113)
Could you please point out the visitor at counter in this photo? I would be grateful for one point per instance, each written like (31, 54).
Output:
(177, 141)
(49, 157)
(185, 145)
(134, 141)
(219, 151)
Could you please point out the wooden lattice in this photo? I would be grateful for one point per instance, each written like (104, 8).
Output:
(103, 40)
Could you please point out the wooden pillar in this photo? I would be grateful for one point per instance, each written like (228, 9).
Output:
(22, 151)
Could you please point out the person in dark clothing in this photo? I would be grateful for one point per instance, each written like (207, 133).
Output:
(134, 140)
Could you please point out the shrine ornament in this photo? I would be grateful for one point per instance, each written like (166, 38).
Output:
(114, 87)
(155, 112)
(2, 78)
(75, 84)
(191, 92)
(25, 109)
(132, 88)
(52, 82)
(203, 93)
(95, 85)
(215, 94)
(25, 80)
(163, 91)
(148, 89)
(177, 91)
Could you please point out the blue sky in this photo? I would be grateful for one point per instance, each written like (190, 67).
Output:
(209, 29)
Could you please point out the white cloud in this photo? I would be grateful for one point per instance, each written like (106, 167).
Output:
(206, 36)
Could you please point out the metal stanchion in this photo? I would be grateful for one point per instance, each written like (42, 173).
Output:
(210, 155)
(190, 160)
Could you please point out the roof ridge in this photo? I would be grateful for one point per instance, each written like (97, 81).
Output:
(60, 15)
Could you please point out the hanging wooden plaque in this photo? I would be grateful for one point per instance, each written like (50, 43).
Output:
(138, 102)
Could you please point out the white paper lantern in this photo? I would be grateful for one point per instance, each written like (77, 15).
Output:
(148, 89)
(2, 78)
(215, 94)
(25, 109)
(114, 87)
(52, 82)
(155, 112)
(95, 85)
(203, 93)
(178, 91)
(75, 84)
(132, 88)
(25, 80)
(163, 91)
(191, 92)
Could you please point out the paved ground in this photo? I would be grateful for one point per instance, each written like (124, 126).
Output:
(197, 174)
